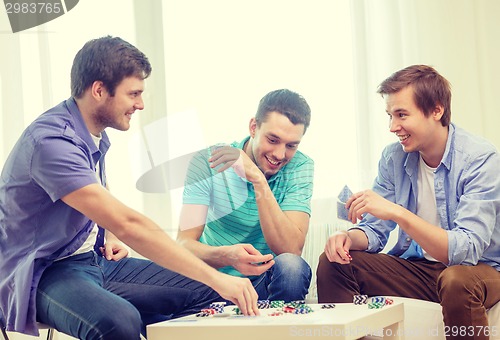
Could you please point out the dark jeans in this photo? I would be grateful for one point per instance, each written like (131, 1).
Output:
(464, 292)
(88, 297)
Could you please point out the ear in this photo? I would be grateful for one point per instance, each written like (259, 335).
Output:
(97, 90)
(438, 112)
(252, 126)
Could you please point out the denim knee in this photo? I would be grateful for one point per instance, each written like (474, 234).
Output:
(123, 325)
(290, 278)
(291, 265)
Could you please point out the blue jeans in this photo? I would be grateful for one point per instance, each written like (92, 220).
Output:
(89, 297)
(287, 280)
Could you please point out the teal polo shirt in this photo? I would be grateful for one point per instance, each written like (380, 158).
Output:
(233, 216)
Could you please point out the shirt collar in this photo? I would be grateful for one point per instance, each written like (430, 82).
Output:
(413, 158)
(82, 131)
(446, 161)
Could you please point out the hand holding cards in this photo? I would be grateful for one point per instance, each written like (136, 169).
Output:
(342, 198)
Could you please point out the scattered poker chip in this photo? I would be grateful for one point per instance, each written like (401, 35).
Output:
(375, 305)
(275, 314)
(263, 304)
(303, 310)
(378, 299)
(209, 311)
(298, 303)
(215, 305)
(277, 304)
(202, 314)
(389, 301)
(296, 307)
(328, 306)
(360, 299)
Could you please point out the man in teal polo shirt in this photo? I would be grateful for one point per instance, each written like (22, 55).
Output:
(246, 206)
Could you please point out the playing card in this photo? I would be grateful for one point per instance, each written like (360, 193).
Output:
(344, 195)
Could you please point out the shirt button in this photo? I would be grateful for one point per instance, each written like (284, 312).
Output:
(408, 239)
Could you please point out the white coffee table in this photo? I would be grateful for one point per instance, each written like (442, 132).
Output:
(345, 321)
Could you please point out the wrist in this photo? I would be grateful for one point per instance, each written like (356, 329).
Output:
(258, 178)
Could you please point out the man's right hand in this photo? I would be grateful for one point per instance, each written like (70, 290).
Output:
(246, 259)
(238, 290)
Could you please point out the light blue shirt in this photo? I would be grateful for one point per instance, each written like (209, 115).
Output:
(54, 156)
(467, 187)
(233, 216)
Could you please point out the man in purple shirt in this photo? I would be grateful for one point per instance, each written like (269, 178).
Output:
(53, 200)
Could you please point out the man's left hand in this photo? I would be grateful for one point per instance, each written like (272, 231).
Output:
(114, 250)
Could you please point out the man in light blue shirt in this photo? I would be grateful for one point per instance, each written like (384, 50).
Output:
(440, 185)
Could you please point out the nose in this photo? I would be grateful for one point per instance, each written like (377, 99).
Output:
(393, 125)
(279, 152)
(139, 105)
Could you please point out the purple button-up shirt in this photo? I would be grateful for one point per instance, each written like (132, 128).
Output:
(54, 156)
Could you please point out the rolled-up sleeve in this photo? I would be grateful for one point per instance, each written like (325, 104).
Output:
(477, 212)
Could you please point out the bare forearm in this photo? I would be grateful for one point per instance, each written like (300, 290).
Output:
(359, 241)
(281, 233)
(214, 256)
(147, 239)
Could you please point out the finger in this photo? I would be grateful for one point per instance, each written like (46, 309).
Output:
(225, 167)
(250, 301)
(250, 249)
(344, 255)
(242, 304)
(260, 259)
(255, 297)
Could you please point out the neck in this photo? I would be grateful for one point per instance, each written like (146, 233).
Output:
(87, 112)
(433, 156)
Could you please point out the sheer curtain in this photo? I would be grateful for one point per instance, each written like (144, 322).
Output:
(216, 59)
(459, 38)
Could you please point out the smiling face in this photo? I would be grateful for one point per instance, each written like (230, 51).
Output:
(116, 111)
(415, 130)
(274, 143)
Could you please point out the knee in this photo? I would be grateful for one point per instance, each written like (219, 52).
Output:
(455, 284)
(126, 324)
(292, 265)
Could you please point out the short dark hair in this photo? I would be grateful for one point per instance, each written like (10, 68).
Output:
(286, 102)
(429, 89)
(107, 59)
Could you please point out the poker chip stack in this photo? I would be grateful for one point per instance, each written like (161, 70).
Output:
(304, 309)
(277, 304)
(215, 308)
(380, 301)
(295, 307)
(360, 299)
(263, 304)
(375, 305)
(218, 306)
